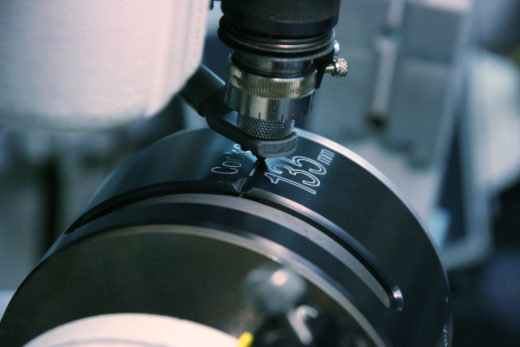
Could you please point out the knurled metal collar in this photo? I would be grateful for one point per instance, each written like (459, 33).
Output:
(271, 87)
(265, 129)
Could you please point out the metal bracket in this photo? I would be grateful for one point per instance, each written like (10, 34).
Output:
(204, 92)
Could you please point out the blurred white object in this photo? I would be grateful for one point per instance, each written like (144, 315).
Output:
(133, 330)
(78, 65)
(495, 98)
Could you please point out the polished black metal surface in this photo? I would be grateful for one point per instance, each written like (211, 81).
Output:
(290, 18)
(177, 227)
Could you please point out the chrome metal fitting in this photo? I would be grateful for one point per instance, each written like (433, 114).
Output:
(271, 82)
(268, 105)
(269, 98)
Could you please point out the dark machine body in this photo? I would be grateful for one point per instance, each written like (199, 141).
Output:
(179, 229)
(176, 229)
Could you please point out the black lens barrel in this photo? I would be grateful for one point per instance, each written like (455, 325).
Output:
(282, 18)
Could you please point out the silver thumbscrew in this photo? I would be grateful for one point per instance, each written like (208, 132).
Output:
(338, 67)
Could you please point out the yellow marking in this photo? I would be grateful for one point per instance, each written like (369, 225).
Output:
(245, 340)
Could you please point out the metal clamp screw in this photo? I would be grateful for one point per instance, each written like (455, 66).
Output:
(338, 67)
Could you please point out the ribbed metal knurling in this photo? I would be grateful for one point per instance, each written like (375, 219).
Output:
(264, 129)
(341, 67)
(338, 67)
(271, 87)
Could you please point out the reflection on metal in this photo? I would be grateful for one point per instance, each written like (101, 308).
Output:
(166, 232)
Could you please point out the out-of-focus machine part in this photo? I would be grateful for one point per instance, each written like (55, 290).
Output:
(403, 107)
(281, 50)
(407, 55)
(133, 330)
(86, 66)
(95, 64)
(304, 250)
(47, 176)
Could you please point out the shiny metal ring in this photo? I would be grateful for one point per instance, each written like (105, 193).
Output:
(272, 87)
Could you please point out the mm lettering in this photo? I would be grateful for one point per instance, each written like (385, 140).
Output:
(326, 156)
